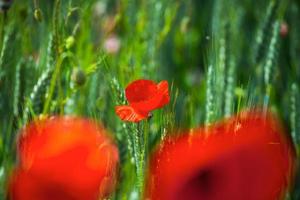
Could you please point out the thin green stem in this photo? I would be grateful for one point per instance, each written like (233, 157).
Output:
(52, 85)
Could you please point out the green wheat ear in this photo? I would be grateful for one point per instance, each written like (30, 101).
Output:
(209, 112)
(16, 98)
(229, 92)
(5, 46)
(216, 82)
(295, 114)
(264, 32)
(34, 104)
(264, 56)
(271, 60)
(37, 96)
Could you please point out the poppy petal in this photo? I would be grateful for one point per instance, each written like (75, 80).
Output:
(158, 100)
(23, 186)
(246, 157)
(163, 89)
(143, 97)
(71, 154)
(127, 113)
(140, 90)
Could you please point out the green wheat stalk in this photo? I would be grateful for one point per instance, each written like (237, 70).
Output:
(17, 89)
(294, 114)
(210, 112)
(263, 32)
(270, 61)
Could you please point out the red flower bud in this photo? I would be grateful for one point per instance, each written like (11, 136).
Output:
(284, 29)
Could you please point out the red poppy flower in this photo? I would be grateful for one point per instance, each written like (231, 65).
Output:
(244, 158)
(143, 97)
(64, 158)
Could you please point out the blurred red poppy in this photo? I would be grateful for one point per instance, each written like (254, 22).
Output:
(246, 157)
(64, 158)
(143, 97)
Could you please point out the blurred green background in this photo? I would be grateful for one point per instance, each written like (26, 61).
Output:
(76, 57)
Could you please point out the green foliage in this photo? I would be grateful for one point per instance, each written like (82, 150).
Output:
(219, 57)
